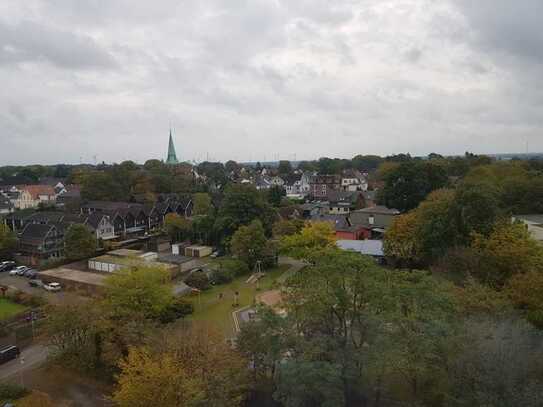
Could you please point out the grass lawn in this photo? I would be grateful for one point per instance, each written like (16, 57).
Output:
(218, 312)
(9, 309)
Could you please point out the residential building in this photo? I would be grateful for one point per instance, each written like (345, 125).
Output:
(374, 220)
(39, 242)
(342, 225)
(32, 195)
(6, 206)
(353, 180)
(322, 185)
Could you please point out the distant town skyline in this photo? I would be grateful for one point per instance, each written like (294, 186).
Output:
(261, 80)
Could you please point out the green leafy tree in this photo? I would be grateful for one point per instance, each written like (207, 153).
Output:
(202, 204)
(409, 183)
(8, 241)
(249, 242)
(275, 195)
(508, 250)
(240, 206)
(313, 236)
(177, 227)
(79, 242)
(285, 227)
(142, 291)
(194, 367)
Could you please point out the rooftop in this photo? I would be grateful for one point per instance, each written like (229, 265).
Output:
(366, 247)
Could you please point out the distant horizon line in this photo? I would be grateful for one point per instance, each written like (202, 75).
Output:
(270, 162)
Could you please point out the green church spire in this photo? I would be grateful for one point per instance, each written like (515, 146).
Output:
(172, 157)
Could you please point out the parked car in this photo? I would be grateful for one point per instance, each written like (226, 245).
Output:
(35, 283)
(9, 353)
(52, 287)
(7, 265)
(31, 273)
(13, 272)
(21, 270)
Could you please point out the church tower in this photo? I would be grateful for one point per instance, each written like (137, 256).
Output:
(172, 157)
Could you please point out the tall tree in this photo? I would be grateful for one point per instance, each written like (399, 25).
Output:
(249, 243)
(8, 241)
(79, 242)
(194, 367)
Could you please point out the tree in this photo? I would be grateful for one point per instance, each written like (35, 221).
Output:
(401, 242)
(526, 292)
(408, 184)
(202, 204)
(73, 335)
(313, 236)
(476, 208)
(141, 291)
(241, 205)
(499, 364)
(193, 367)
(508, 250)
(285, 168)
(80, 242)
(8, 241)
(285, 227)
(177, 227)
(275, 195)
(249, 242)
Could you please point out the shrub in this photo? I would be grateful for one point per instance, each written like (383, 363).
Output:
(198, 280)
(11, 391)
(180, 308)
(235, 267)
(223, 276)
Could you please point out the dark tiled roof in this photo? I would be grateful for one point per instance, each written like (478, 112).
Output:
(35, 232)
(340, 222)
(45, 217)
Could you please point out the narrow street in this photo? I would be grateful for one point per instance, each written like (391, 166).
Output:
(29, 359)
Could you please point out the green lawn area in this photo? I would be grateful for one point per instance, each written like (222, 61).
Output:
(9, 309)
(218, 312)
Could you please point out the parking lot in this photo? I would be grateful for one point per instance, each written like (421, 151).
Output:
(21, 283)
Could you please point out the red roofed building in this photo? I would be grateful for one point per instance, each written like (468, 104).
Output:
(32, 195)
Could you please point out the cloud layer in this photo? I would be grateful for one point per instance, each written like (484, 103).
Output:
(266, 79)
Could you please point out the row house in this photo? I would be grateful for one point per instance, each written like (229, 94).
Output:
(322, 185)
(39, 242)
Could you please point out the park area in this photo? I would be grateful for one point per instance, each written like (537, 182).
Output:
(9, 309)
(215, 306)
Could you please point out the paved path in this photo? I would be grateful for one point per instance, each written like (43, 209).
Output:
(30, 358)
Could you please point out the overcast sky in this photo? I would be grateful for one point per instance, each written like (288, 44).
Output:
(266, 79)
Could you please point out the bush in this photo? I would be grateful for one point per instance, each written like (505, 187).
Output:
(10, 391)
(223, 276)
(198, 280)
(178, 309)
(29, 300)
(234, 267)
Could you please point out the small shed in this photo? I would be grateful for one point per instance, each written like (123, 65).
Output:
(198, 251)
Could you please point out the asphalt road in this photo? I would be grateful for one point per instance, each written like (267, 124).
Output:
(30, 358)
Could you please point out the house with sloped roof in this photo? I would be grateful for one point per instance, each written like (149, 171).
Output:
(343, 226)
(41, 242)
(6, 206)
(32, 195)
(375, 220)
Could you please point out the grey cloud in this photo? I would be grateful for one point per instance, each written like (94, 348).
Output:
(513, 27)
(32, 42)
(249, 78)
